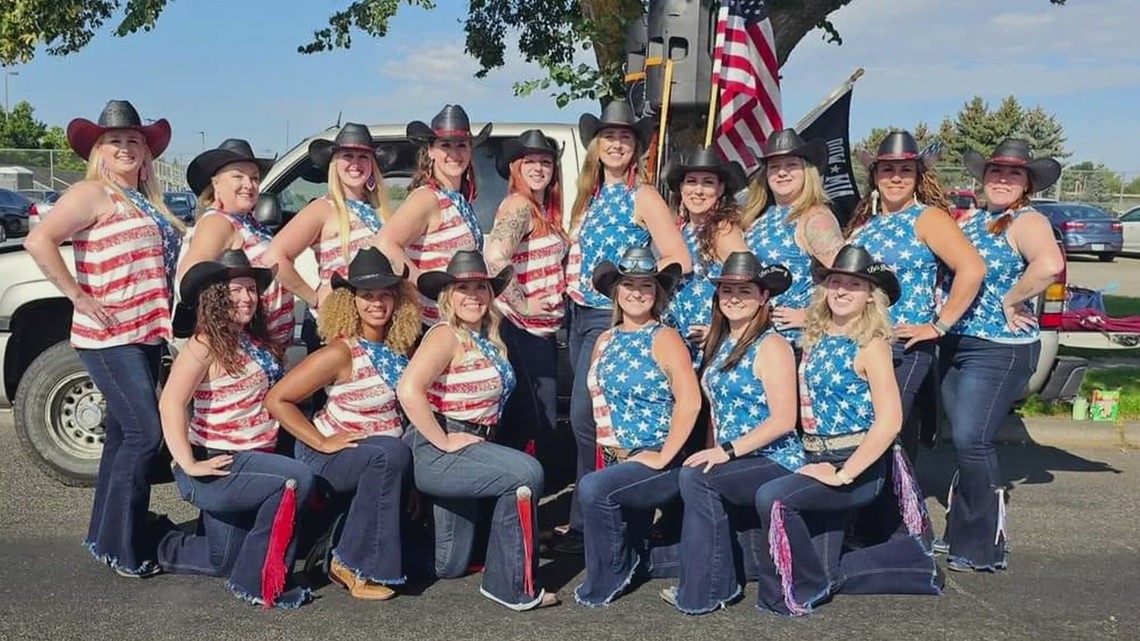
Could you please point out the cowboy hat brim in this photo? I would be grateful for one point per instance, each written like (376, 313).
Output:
(82, 134)
(208, 163)
(733, 181)
(607, 274)
(1043, 172)
(422, 134)
(813, 152)
(206, 273)
(430, 284)
(513, 150)
(884, 280)
(589, 125)
(774, 279)
(321, 152)
(370, 281)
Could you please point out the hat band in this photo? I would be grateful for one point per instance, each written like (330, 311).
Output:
(452, 133)
(471, 276)
(736, 277)
(905, 155)
(1008, 160)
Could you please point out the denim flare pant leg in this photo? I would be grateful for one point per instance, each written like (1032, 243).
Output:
(586, 325)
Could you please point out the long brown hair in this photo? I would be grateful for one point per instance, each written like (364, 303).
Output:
(726, 213)
(223, 335)
(590, 179)
(545, 217)
(660, 302)
(718, 333)
(425, 175)
(928, 191)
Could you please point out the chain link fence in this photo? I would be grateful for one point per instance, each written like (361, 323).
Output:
(38, 172)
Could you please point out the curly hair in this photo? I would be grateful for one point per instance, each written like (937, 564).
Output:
(491, 320)
(873, 323)
(223, 335)
(928, 191)
(339, 319)
(424, 175)
(726, 213)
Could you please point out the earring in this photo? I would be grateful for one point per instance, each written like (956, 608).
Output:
(370, 185)
(144, 173)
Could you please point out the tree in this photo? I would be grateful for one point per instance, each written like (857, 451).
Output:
(1089, 182)
(550, 32)
(1046, 136)
(20, 129)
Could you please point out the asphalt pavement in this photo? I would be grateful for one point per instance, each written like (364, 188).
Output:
(1073, 568)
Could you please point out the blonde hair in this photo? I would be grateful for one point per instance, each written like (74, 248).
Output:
(149, 187)
(339, 319)
(873, 323)
(590, 179)
(491, 320)
(759, 195)
(206, 199)
(660, 301)
(377, 197)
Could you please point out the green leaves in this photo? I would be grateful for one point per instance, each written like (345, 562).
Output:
(369, 16)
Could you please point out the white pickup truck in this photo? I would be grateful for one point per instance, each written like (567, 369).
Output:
(58, 412)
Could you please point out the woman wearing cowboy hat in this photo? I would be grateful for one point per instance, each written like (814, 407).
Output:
(705, 186)
(750, 385)
(851, 414)
(787, 220)
(904, 223)
(437, 218)
(226, 181)
(369, 323)
(250, 498)
(528, 237)
(613, 211)
(453, 392)
(645, 398)
(338, 225)
(125, 243)
(988, 356)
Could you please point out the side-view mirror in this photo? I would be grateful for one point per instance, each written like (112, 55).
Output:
(268, 210)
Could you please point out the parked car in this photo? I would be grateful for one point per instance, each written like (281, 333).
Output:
(1131, 231)
(1086, 229)
(181, 204)
(963, 200)
(14, 209)
(39, 209)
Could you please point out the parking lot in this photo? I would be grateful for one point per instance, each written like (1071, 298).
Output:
(1124, 273)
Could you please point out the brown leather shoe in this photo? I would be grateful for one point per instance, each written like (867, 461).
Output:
(359, 589)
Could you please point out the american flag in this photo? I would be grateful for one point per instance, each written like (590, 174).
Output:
(744, 65)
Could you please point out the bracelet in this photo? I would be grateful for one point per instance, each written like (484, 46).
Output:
(942, 328)
(842, 476)
(728, 449)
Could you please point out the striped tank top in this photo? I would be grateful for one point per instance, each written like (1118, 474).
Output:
(229, 411)
(477, 388)
(119, 262)
(329, 252)
(366, 402)
(538, 269)
(457, 231)
(276, 300)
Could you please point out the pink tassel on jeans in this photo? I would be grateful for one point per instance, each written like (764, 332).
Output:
(781, 550)
(906, 490)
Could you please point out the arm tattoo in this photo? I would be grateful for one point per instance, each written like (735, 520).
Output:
(823, 236)
(510, 228)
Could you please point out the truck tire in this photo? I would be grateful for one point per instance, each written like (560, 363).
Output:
(58, 413)
(1106, 257)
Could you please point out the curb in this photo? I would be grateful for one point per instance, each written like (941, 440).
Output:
(1062, 432)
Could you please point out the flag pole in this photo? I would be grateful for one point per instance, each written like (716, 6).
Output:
(711, 126)
(666, 94)
(832, 97)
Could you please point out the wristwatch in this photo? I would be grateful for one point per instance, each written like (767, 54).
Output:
(842, 476)
(728, 449)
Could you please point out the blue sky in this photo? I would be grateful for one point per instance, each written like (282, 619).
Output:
(230, 68)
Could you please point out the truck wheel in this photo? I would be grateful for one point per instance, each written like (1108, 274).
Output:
(58, 414)
(1106, 257)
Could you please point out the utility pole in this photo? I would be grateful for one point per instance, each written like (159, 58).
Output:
(203, 135)
(7, 73)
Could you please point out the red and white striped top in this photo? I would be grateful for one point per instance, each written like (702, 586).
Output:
(603, 420)
(229, 411)
(433, 251)
(276, 301)
(330, 254)
(364, 404)
(469, 391)
(118, 262)
(538, 270)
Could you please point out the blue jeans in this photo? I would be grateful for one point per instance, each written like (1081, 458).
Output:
(710, 555)
(375, 473)
(981, 380)
(617, 509)
(238, 512)
(530, 414)
(119, 533)
(455, 481)
(586, 325)
(805, 522)
(912, 366)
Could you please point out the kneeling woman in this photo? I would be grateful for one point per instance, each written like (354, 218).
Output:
(645, 398)
(851, 413)
(223, 462)
(369, 322)
(453, 392)
(750, 382)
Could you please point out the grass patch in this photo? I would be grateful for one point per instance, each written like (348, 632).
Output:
(1127, 379)
(1122, 306)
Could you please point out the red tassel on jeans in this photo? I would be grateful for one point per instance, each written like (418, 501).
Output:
(599, 459)
(522, 503)
(273, 571)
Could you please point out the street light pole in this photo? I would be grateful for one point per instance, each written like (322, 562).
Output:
(203, 135)
(7, 73)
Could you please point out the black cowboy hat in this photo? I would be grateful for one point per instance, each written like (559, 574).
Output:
(1014, 152)
(636, 261)
(744, 267)
(706, 159)
(351, 136)
(233, 263)
(531, 141)
(900, 145)
(118, 114)
(369, 269)
(855, 260)
(208, 163)
(465, 265)
(451, 123)
(786, 142)
(616, 114)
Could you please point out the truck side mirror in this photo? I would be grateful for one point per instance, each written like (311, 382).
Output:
(267, 211)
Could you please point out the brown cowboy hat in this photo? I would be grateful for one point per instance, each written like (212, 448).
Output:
(118, 114)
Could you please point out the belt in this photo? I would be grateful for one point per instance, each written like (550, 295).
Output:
(817, 443)
(467, 427)
(613, 455)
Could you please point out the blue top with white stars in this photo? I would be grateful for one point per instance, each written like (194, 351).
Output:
(607, 230)
(1004, 266)
(773, 240)
(636, 388)
(692, 299)
(739, 404)
(840, 399)
(892, 239)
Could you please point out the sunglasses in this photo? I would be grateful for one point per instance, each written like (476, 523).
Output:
(644, 264)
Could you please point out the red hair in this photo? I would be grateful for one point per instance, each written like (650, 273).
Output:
(545, 216)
